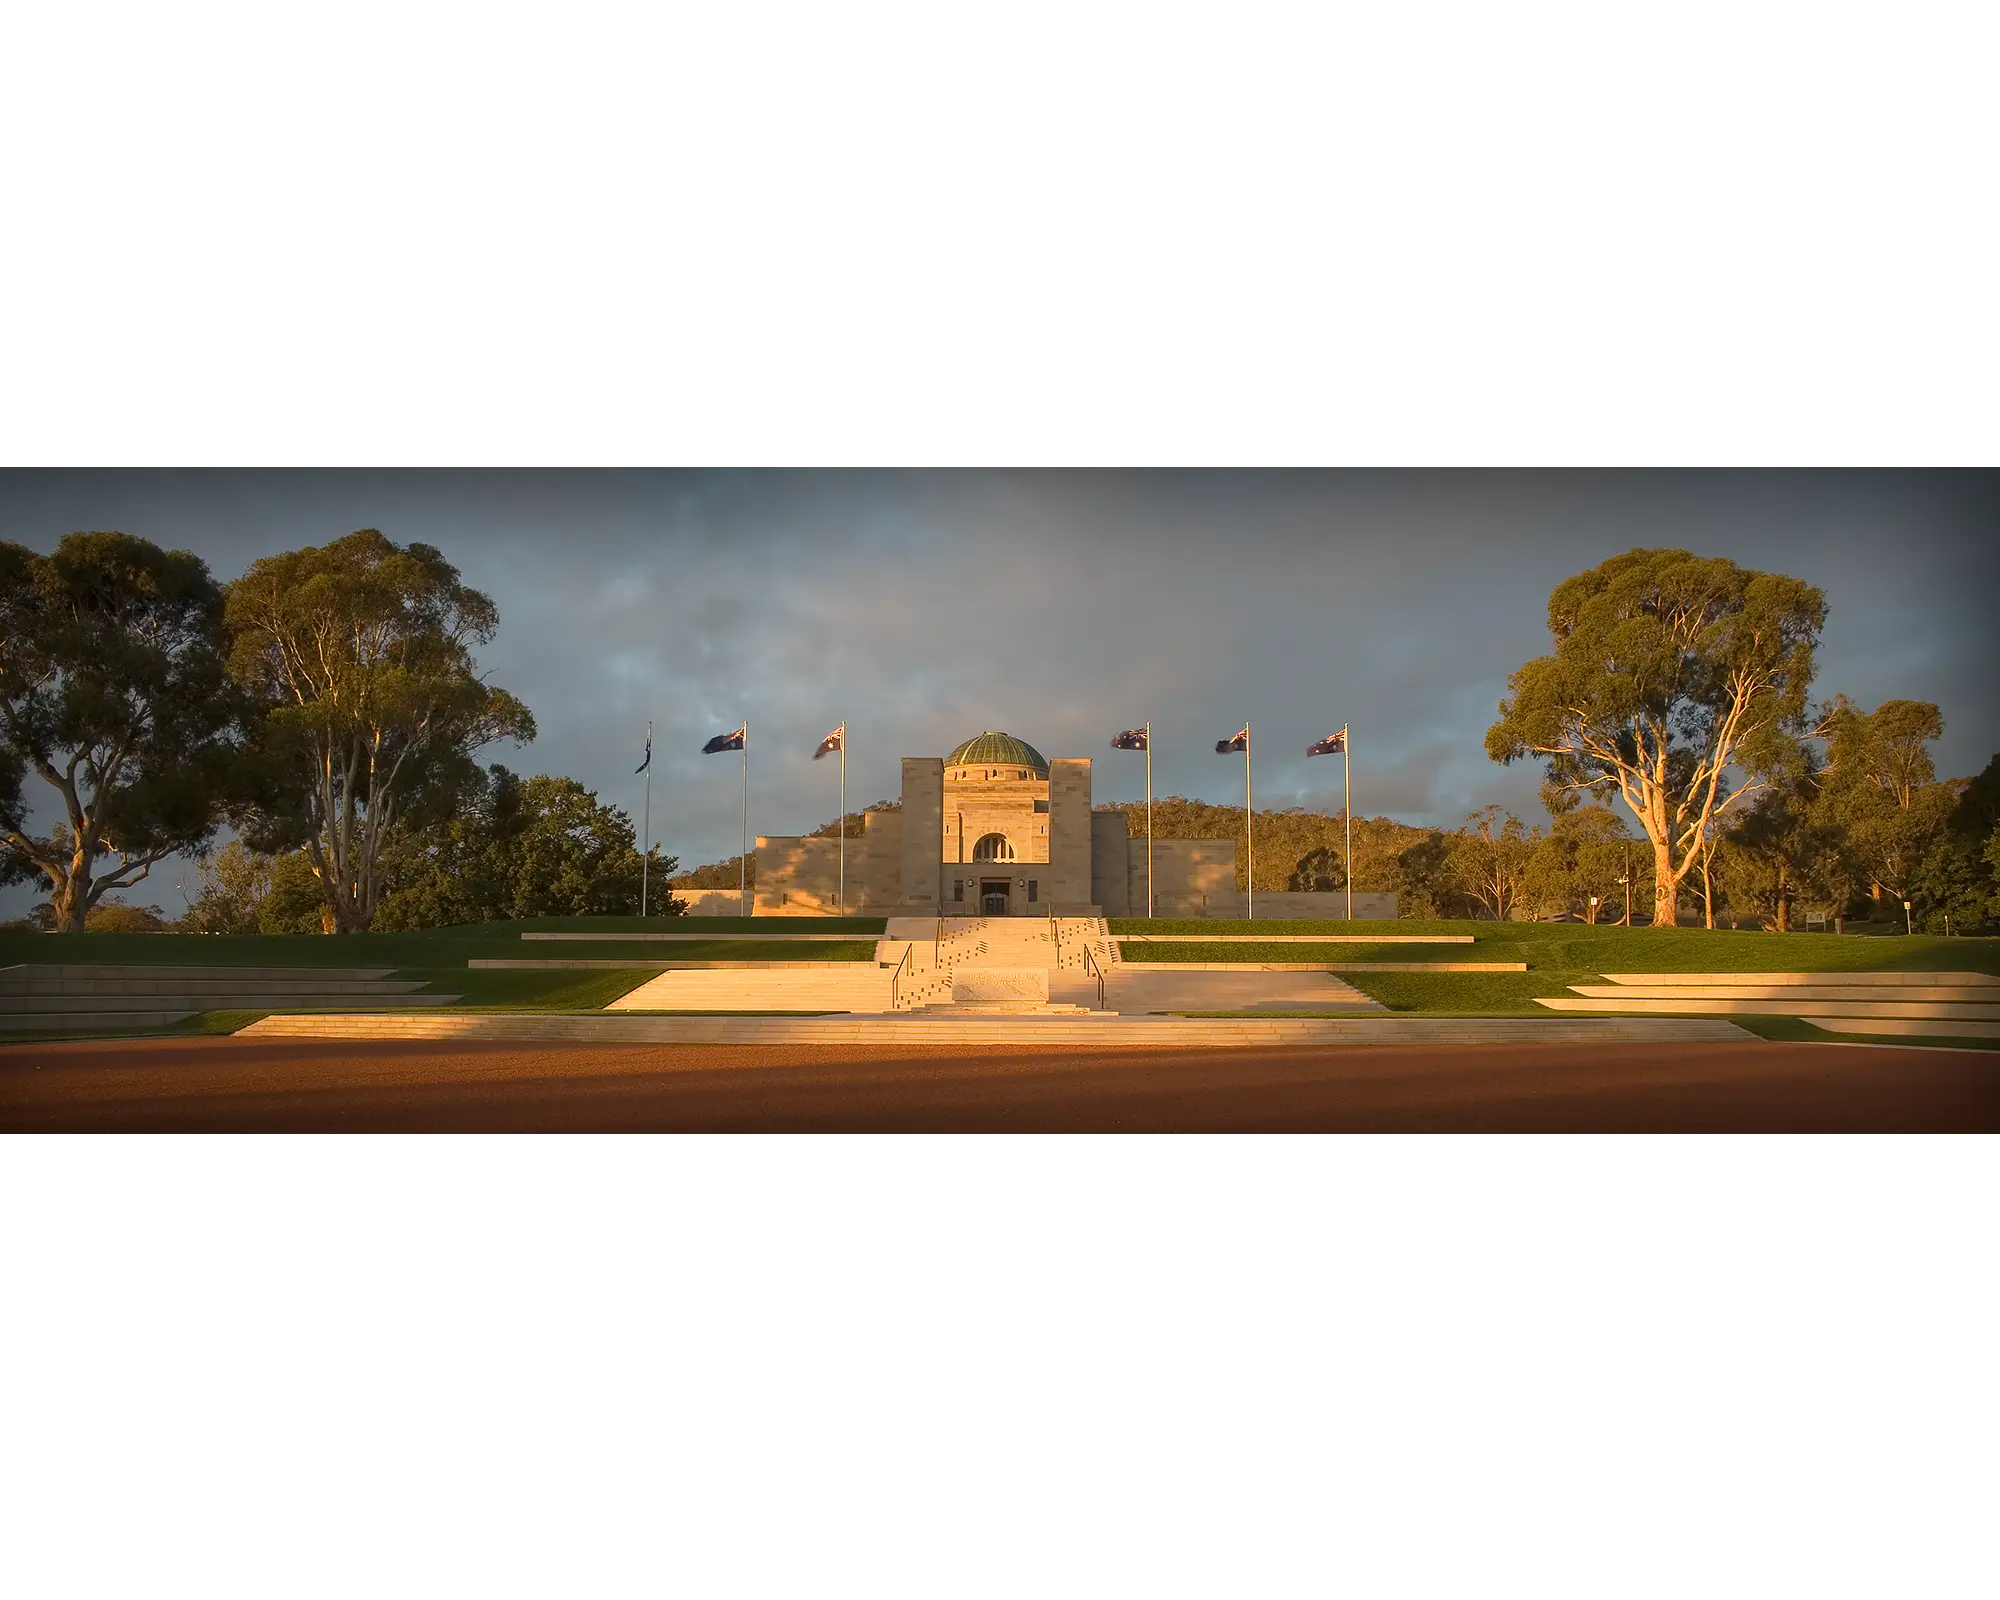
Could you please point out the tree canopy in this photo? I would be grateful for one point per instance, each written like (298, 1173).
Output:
(535, 847)
(360, 656)
(1670, 673)
(113, 692)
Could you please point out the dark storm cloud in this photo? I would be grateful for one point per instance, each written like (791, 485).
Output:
(924, 607)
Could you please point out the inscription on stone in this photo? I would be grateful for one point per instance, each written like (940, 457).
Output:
(1000, 983)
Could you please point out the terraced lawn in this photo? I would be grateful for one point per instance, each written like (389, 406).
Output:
(1557, 954)
(440, 947)
(1568, 947)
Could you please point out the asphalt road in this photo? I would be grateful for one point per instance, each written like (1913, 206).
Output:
(291, 1085)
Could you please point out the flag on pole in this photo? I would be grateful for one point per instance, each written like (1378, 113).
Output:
(836, 740)
(1332, 745)
(726, 741)
(1130, 739)
(1225, 747)
(642, 766)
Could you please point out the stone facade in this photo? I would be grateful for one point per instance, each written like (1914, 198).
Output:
(994, 829)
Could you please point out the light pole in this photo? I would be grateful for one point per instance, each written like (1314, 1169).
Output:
(1908, 925)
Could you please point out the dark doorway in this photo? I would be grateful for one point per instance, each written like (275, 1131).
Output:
(993, 896)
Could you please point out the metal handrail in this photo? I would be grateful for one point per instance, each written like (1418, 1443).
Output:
(1090, 966)
(1055, 933)
(896, 979)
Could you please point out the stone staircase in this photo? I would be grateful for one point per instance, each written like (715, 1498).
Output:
(948, 1025)
(1074, 951)
(80, 996)
(1964, 1005)
(930, 951)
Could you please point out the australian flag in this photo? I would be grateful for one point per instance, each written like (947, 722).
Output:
(1224, 747)
(642, 766)
(836, 740)
(1130, 739)
(726, 741)
(1332, 745)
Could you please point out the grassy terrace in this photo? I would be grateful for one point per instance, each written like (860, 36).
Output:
(735, 939)
(1558, 954)
(438, 957)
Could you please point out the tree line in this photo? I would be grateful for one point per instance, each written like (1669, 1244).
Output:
(326, 706)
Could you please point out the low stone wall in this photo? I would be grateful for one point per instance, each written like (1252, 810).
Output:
(1367, 907)
(713, 902)
(1271, 904)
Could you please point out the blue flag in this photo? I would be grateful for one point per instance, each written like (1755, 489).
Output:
(726, 741)
(1241, 742)
(1332, 745)
(642, 766)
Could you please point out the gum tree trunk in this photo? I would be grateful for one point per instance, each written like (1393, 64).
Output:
(1666, 888)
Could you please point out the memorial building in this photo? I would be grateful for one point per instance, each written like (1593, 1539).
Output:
(997, 829)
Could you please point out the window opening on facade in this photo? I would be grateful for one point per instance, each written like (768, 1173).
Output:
(993, 847)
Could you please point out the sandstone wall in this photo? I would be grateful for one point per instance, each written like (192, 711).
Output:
(797, 876)
(923, 831)
(1069, 833)
(712, 902)
(1109, 867)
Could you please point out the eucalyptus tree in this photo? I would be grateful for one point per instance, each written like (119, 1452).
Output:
(113, 692)
(1489, 860)
(1675, 682)
(534, 847)
(1881, 788)
(359, 653)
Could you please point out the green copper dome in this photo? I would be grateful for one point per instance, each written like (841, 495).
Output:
(998, 750)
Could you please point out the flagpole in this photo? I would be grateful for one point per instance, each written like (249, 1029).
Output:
(841, 905)
(1149, 820)
(743, 860)
(1347, 794)
(646, 827)
(1249, 827)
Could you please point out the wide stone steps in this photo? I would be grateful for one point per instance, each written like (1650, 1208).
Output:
(1913, 1004)
(1706, 1005)
(83, 996)
(1793, 993)
(1845, 980)
(1912, 1027)
(23, 1005)
(66, 977)
(90, 1021)
(600, 1028)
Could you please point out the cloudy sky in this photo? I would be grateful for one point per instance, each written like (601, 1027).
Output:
(925, 607)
